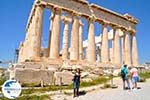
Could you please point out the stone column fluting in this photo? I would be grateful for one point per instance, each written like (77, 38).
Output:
(127, 50)
(28, 40)
(74, 53)
(55, 37)
(20, 56)
(117, 58)
(80, 40)
(105, 48)
(26, 46)
(65, 38)
(113, 46)
(50, 32)
(123, 48)
(36, 33)
(91, 53)
(134, 51)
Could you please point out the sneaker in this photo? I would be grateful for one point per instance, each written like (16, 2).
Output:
(132, 87)
(129, 88)
(138, 87)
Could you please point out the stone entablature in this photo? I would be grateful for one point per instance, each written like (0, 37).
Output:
(84, 9)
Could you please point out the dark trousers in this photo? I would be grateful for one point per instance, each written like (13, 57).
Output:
(126, 80)
(76, 92)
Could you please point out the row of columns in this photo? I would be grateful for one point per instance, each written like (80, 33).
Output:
(76, 49)
(129, 47)
(32, 44)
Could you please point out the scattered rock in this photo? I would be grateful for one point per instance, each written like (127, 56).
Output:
(87, 80)
(63, 78)
(84, 74)
(97, 71)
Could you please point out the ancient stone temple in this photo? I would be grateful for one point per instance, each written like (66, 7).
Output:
(122, 37)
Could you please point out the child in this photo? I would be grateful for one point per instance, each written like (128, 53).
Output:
(76, 82)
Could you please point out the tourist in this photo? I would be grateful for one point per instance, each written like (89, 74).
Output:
(124, 76)
(76, 82)
(134, 77)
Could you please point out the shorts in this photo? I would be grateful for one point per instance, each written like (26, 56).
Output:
(135, 79)
(76, 85)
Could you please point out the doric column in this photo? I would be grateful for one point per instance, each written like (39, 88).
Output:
(105, 48)
(127, 50)
(117, 58)
(74, 53)
(113, 47)
(123, 48)
(21, 56)
(26, 46)
(50, 32)
(134, 51)
(55, 37)
(36, 32)
(91, 53)
(80, 41)
(65, 38)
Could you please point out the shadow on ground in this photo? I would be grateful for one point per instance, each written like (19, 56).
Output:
(82, 93)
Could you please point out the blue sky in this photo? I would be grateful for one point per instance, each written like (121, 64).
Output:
(14, 15)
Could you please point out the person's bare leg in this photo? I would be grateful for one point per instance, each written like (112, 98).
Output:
(124, 84)
(128, 83)
(135, 84)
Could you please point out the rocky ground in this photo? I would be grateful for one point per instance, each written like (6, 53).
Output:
(112, 94)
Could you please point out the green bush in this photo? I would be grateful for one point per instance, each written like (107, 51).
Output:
(95, 82)
(43, 89)
(145, 75)
(30, 85)
(2, 80)
(34, 97)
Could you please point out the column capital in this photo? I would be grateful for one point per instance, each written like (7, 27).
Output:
(38, 3)
(75, 15)
(56, 10)
(91, 18)
(66, 19)
(133, 34)
(80, 23)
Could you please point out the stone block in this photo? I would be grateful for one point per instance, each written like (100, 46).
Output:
(63, 78)
(33, 65)
(97, 71)
(19, 65)
(34, 76)
(52, 67)
(84, 74)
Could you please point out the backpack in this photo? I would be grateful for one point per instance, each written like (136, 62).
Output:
(123, 74)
